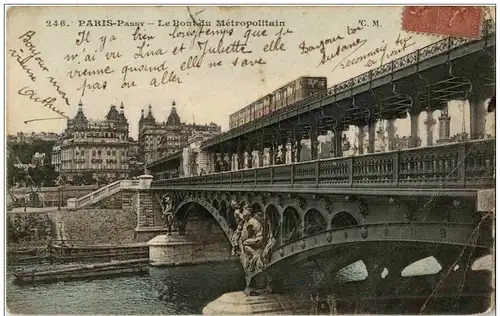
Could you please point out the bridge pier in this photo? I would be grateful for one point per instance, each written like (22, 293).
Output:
(186, 249)
(338, 150)
(414, 129)
(361, 140)
(371, 137)
(391, 134)
(238, 303)
(477, 115)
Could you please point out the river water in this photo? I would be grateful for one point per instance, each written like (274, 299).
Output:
(166, 290)
(172, 290)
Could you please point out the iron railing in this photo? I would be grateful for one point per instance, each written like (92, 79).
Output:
(457, 165)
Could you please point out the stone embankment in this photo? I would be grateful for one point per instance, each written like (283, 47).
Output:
(28, 234)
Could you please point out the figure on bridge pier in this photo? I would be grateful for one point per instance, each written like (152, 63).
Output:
(167, 206)
(238, 217)
(252, 238)
(248, 239)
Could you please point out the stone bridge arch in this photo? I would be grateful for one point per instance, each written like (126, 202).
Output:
(182, 211)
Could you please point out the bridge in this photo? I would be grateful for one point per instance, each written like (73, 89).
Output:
(387, 210)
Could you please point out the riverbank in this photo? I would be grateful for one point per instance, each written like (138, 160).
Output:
(31, 232)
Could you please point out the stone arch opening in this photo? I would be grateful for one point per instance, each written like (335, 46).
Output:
(486, 262)
(425, 266)
(384, 273)
(314, 222)
(273, 216)
(343, 219)
(291, 225)
(353, 272)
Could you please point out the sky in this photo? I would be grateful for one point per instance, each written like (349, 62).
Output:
(59, 39)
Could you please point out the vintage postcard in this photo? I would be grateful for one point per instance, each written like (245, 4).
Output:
(250, 160)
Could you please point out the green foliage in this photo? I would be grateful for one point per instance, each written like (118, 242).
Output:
(88, 178)
(137, 171)
(78, 179)
(14, 174)
(41, 176)
(25, 228)
(25, 151)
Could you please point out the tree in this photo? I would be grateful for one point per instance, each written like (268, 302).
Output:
(49, 175)
(78, 179)
(23, 152)
(88, 177)
(136, 171)
(36, 175)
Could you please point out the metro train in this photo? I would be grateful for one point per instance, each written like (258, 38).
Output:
(282, 97)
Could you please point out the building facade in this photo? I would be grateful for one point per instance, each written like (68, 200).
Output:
(160, 139)
(56, 158)
(149, 137)
(99, 147)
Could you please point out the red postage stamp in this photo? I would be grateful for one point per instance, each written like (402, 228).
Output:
(459, 21)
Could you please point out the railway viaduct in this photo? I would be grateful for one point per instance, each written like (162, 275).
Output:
(308, 220)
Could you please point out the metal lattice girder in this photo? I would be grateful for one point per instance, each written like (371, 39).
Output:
(396, 106)
(455, 88)
(328, 123)
(361, 116)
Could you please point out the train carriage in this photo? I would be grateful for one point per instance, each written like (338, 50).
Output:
(241, 117)
(246, 114)
(267, 103)
(286, 95)
(252, 111)
(233, 120)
